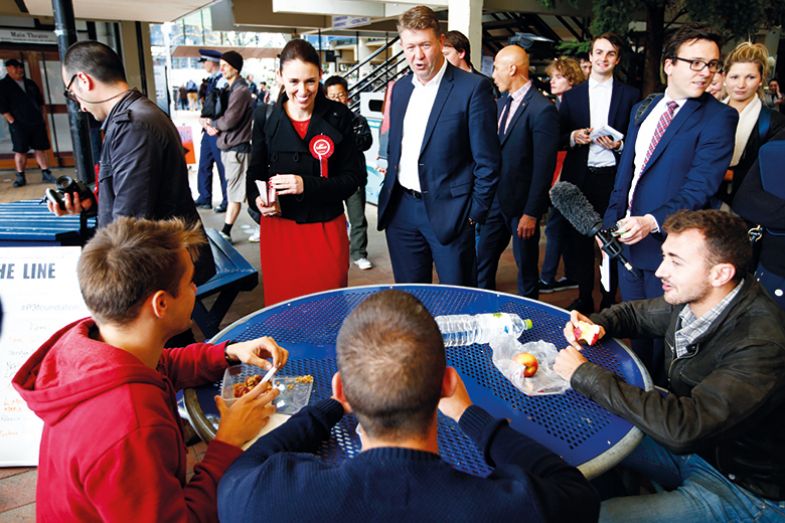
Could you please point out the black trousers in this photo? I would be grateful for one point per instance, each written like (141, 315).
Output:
(579, 256)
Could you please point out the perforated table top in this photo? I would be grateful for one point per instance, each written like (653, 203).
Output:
(576, 428)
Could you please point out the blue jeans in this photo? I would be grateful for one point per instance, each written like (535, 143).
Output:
(697, 492)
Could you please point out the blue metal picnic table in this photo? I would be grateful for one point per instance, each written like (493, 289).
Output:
(571, 425)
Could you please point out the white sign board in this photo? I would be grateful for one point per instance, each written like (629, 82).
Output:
(40, 295)
(347, 22)
(27, 36)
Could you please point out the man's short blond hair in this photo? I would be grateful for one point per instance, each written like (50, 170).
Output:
(129, 260)
(419, 18)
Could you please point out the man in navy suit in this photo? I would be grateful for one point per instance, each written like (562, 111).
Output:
(443, 156)
(591, 163)
(529, 134)
(678, 147)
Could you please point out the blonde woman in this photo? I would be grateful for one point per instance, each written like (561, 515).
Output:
(746, 69)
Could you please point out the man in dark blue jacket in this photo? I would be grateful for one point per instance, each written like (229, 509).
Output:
(677, 150)
(529, 135)
(443, 156)
(393, 376)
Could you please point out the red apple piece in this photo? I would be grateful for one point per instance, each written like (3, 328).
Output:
(585, 331)
(529, 363)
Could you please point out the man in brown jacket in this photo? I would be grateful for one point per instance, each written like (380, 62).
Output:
(233, 129)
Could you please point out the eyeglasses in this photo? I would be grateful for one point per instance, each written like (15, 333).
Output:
(68, 94)
(700, 65)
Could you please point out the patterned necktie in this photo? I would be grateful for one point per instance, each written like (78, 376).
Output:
(662, 125)
(503, 119)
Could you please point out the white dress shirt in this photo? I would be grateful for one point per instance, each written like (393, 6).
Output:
(645, 136)
(415, 122)
(600, 94)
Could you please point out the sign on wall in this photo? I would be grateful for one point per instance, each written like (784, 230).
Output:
(40, 295)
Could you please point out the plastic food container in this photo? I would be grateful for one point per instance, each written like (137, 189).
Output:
(294, 391)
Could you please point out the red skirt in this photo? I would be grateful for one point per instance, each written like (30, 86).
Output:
(302, 258)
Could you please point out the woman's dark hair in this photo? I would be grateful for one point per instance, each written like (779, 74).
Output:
(299, 49)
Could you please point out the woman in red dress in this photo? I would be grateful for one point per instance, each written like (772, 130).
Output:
(303, 149)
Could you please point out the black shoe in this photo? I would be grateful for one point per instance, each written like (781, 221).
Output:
(202, 204)
(563, 284)
(20, 180)
(220, 208)
(557, 285)
(46, 176)
(581, 306)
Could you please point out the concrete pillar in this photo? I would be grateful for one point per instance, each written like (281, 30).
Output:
(131, 60)
(362, 53)
(466, 16)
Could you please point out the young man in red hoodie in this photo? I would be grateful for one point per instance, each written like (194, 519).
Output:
(112, 447)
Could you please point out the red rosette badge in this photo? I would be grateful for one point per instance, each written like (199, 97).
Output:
(322, 147)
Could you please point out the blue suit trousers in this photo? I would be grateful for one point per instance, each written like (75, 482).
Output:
(209, 154)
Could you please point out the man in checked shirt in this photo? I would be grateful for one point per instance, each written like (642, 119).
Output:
(714, 440)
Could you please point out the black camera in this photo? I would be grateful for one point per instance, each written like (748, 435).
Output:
(67, 185)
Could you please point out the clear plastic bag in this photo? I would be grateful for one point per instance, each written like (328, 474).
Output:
(545, 381)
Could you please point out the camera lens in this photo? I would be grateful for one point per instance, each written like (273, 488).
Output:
(63, 182)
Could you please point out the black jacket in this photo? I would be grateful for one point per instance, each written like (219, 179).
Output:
(25, 106)
(727, 395)
(276, 148)
(528, 150)
(143, 171)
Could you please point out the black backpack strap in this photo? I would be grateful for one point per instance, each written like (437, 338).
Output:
(644, 106)
(764, 122)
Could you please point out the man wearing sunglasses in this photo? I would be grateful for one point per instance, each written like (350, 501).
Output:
(677, 150)
(143, 172)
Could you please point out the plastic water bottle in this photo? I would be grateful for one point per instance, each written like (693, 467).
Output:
(465, 329)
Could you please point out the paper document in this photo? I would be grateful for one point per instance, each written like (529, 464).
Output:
(606, 130)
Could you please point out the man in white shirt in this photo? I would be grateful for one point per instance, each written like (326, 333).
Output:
(443, 155)
(591, 163)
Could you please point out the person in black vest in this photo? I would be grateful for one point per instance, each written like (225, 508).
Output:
(209, 154)
(304, 246)
(20, 104)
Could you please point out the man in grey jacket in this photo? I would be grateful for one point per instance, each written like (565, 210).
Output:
(715, 440)
(233, 129)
